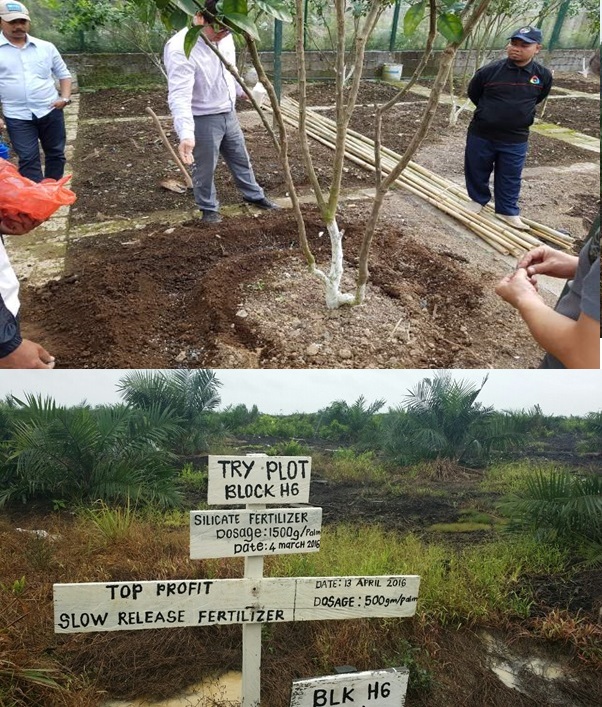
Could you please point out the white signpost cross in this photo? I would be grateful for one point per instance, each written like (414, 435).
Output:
(253, 599)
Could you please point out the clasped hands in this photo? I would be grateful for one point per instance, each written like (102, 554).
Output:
(521, 285)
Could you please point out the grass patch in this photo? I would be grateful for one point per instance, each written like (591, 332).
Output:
(192, 480)
(110, 523)
(347, 465)
(457, 587)
(291, 448)
(471, 515)
(512, 477)
(419, 491)
(471, 520)
(460, 527)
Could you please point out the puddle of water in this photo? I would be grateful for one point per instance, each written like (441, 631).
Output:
(513, 670)
(219, 692)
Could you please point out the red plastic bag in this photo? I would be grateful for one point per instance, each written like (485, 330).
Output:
(19, 195)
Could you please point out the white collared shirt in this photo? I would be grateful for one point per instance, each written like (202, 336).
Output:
(200, 84)
(26, 77)
(9, 285)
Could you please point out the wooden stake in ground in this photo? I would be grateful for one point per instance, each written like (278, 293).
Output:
(177, 160)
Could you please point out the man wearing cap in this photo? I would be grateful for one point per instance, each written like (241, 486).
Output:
(505, 94)
(32, 108)
(569, 333)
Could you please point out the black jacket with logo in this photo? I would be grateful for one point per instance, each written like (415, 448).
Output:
(505, 96)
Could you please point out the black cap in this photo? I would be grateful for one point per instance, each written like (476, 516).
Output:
(531, 35)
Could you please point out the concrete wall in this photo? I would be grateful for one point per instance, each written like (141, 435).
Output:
(115, 69)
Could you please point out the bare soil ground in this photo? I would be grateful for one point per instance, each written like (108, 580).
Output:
(237, 294)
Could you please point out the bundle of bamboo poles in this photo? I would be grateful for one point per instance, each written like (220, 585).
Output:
(440, 192)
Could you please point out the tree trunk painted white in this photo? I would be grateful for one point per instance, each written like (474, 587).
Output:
(334, 297)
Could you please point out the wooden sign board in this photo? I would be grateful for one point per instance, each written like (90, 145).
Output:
(258, 480)
(372, 688)
(126, 606)
(247, 533)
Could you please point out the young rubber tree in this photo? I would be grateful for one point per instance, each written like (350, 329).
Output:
(456, 28)
(238, 15)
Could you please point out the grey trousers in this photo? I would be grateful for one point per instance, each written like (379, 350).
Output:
(215, 135)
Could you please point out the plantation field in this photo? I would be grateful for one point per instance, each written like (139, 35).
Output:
(499, 513)
(481, 586)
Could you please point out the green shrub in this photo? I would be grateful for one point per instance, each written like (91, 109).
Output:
(292, 448)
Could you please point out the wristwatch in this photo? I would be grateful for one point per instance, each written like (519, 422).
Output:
(66, 101)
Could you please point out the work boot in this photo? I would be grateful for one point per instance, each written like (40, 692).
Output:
(475, 207)
(514, 221)
(264, 204)
(211, 216)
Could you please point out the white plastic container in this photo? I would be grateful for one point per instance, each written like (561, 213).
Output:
(392, 72)
(259, 93)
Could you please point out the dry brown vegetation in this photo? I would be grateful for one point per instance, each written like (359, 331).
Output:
(447, 663)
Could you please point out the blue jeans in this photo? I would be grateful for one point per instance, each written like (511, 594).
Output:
(50, 131)
(506, 161)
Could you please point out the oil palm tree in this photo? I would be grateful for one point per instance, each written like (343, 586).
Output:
(79, 454)
(188, 395)
(442, 422)
(349, 423)
(593, 426)
(561, 506)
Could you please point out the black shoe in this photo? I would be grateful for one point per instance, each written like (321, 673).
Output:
(211, 217)
(264, 204)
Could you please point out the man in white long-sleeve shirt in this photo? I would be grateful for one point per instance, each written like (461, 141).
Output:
(202, 97)
(32, 108)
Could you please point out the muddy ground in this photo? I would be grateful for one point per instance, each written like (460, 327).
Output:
(168, 292)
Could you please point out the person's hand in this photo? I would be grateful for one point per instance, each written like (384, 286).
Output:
(549, 261)
(517, 288)
(2, 124)
(28, 355)
(18, 224)
(185, 149)
(60, 104)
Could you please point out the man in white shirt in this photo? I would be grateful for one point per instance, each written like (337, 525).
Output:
(202, 97)
(16, 352)
(32, 107)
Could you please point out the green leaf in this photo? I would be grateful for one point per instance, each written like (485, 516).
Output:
(188, 6)
(276, 9)
(191, 39)
(174, 18)
(450, 26)
(241, 23)
(413, 18)
(232, 7)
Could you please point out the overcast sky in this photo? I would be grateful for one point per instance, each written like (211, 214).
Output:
(287, 391)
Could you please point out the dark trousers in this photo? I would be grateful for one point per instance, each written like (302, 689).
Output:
(505, 160)
(24, 136)
(214, 135)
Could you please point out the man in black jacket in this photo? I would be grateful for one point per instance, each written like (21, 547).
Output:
(505, 94)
